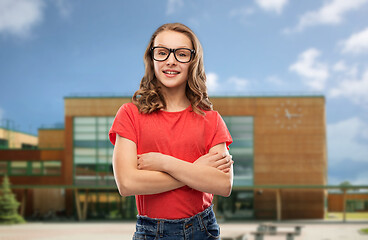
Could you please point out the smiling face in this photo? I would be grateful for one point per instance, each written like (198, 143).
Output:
(170, 73)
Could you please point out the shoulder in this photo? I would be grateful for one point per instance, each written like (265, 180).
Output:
(211, 117)
(211, 114)
(129, 108)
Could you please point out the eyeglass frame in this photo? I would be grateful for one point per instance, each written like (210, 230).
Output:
(171, 50)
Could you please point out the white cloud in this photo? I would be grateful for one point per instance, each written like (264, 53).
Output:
(232, 84)
(313, 72)
(237, 83)
(20, 16)
(331, 13)
(340, 66)
(352, 88)
(356, 43)
(212, 82)
(272, 5)
(344, 140)
(173, 6)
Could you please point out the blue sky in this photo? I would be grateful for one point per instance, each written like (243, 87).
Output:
(50, 49)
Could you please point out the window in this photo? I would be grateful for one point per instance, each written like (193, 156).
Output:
(28, 146)
(52, 168)
(241, 130)
(240, 204)
(92, 151)
(36, 168)
(18, 168)
(4, 143)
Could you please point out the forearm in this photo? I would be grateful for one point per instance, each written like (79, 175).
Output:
(130, 180)
(143, 182)
(199, 177)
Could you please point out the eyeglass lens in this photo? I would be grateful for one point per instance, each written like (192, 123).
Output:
(181, 54)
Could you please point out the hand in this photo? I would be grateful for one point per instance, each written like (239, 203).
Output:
(222, 161)
(152, 161)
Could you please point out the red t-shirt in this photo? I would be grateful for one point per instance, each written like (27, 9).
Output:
(185, 135)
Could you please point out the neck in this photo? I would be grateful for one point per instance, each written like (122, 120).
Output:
(176, 100)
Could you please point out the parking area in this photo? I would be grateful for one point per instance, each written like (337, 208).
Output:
(124, 230)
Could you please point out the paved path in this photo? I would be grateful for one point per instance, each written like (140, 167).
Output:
(123, 231)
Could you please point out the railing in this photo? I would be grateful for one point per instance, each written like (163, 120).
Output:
(276, 188)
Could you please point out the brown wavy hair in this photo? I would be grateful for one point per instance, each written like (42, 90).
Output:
(149, 97)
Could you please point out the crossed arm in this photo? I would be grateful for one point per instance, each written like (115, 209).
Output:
(153, 173)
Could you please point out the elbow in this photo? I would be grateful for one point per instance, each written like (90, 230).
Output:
(226, 189)
(124, 188)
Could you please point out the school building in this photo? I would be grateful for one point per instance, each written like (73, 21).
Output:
(278, 141)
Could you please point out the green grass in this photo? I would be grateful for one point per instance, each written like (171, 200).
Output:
(349, 216)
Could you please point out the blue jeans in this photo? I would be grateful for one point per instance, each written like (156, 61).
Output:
(199, 227)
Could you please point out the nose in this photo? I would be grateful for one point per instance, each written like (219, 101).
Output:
(171, 59)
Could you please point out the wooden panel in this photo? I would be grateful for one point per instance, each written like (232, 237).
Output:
(48, 199)
(290, 150)
(336, 201)
(296, 204)
(35, 155)
(93, 106)
(31, 155)
(233, 106)
(19, 155)
(68, 151)
(51, 138)
(52, 155)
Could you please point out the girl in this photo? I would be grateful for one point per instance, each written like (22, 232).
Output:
(171, 148)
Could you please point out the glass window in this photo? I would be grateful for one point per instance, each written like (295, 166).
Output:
(84, 128)
(103, 136)
(18, 168)
(36, 168)
(85, 120)
(4, 143)
(241, 130)
(92, 150)
(84, 136)
(52, 167)
(85, 151)
(28, 146)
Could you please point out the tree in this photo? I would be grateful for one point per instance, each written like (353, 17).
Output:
(347, 184)
(9, 205)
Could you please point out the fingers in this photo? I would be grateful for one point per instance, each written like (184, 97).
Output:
(139, 161)
(223, 160)
(225, 166)
(225, 163)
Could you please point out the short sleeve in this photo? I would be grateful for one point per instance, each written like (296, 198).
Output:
(124, 124)
(222, 134)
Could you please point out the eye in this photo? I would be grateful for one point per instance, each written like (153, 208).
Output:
(183, 53)
(162, 53)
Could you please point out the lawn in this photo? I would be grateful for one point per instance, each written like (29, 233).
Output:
(349, 216)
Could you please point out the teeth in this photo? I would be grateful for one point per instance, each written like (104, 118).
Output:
(169, 72)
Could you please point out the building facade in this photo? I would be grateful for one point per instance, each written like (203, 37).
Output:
(278, 141)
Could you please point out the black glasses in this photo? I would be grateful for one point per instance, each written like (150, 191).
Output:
(183, 55)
